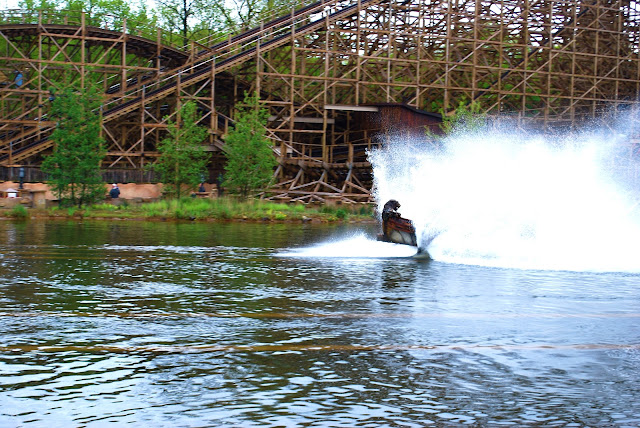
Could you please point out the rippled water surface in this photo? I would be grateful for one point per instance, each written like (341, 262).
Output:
(163, 324)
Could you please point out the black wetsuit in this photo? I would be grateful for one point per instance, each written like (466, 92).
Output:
(389, 210)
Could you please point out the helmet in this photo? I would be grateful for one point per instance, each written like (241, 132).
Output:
(393, 204)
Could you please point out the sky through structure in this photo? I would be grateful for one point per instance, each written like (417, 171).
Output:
(8, 4)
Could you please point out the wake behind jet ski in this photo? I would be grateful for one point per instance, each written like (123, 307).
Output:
(395, 228)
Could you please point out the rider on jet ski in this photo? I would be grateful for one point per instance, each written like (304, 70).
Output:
(394, 227)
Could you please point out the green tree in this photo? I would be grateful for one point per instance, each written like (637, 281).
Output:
(180, 15)
(241, 15)
(74, 165)
(33, 5)
(100, 12)
(465, 118)
(250, 157)
(183, 159)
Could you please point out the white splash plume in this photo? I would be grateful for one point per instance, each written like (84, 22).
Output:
(511, 199)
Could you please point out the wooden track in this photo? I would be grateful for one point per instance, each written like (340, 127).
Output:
(137, 45)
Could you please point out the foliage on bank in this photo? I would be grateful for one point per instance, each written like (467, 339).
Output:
(220, 209)
(19, 212)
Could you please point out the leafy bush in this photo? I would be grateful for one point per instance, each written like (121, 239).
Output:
(19, 211)
(106, 207)
(365, 210)
(327, 209)
(342, 213)
(298, 208)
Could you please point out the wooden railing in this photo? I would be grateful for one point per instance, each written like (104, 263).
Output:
(236, 50)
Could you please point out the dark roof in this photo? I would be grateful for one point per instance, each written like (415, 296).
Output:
(408, 107)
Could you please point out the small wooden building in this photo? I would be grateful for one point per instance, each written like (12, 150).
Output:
(9, 193)
(400, 119)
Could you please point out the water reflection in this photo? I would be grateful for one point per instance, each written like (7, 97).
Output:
(208, 324)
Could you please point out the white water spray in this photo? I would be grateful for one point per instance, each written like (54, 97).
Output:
(500, 198)
(359, 246)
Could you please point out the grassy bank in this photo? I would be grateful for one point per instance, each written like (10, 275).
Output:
(212, 209)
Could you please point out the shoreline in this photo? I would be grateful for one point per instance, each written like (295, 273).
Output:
(222, 209)
(315, 218)
(195, 220)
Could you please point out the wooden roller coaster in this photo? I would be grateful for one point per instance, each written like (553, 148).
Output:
(337, 76)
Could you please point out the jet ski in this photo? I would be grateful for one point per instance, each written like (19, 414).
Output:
(398, 229)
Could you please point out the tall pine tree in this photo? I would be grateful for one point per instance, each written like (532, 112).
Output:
(74, 165)
(250, 157)
(182, 160)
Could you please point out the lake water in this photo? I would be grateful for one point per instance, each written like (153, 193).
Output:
(189, 325)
